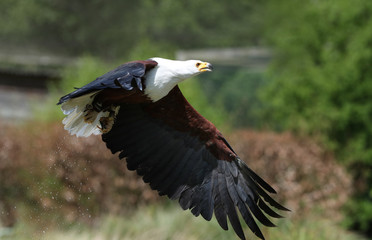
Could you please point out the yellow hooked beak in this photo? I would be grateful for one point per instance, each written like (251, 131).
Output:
(204, 67)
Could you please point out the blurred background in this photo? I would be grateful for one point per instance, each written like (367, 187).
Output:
(291, 91)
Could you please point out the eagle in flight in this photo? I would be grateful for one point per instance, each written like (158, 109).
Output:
(141, 113)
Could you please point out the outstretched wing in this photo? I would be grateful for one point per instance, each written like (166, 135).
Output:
(182, 155)
(126, 77)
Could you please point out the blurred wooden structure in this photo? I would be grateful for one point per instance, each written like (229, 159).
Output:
(24, 76)
(253, 57)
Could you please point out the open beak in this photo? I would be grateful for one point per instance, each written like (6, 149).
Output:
(205, 67)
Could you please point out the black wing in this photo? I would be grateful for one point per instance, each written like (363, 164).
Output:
(125, 76)
(181, 155)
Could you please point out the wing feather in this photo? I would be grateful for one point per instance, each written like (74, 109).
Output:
(219, 209)
(126, 76)
(179, 183)
(229, 205)
(267, 210)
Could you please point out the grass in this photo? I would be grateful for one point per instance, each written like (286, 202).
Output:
(170, 222)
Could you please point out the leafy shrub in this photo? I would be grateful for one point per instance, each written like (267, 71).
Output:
(321, 84)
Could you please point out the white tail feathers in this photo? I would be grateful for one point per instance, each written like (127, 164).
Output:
(76, 120)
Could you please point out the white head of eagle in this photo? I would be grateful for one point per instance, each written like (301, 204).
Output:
(141, 113)
(168, 73)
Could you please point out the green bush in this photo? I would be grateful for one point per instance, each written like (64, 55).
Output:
(321, 84)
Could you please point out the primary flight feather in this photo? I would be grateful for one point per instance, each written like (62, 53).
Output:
(141, 113)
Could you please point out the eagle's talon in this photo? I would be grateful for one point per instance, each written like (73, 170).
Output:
(106, 124)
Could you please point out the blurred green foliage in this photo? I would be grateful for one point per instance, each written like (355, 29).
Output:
(122, 28)
(235, 90)
(322, 84)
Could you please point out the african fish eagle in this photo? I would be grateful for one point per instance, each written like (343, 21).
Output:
(142, 114)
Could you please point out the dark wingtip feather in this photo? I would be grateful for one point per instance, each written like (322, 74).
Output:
(258, 213)
(229, 203)
(267, 210)
(260, 181)
(269, 199)
(63, 99)
(219, 210)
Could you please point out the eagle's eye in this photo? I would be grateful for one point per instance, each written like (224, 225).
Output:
(198, 64)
